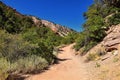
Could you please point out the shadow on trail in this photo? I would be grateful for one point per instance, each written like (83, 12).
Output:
(20, 77)
(58, 60)
(16, 77)
(60, 50)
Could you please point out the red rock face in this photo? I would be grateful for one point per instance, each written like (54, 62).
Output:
(58, 29)
(55, 30)
(51, 25)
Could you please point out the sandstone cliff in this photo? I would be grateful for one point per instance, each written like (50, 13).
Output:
(61, 30)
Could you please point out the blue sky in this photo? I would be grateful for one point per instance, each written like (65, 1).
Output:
(65, 12)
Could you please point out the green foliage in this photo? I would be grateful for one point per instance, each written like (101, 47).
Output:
(114, 20)
(18, 55)
(116, 59)
(97, 65)
(4, 66)
(49, 37)
(13, 47)
(24, 47)
(96, 24)
(80, 41)
(94, 27)
(45, 39)
(26, 52)
(13, 22)
(70, 38)
(92, 57)
(114, 3)
(29, 64)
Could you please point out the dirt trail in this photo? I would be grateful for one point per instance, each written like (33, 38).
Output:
(70, 67)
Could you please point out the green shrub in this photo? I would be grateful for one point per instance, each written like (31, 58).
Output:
(114, 20)
(45, 52)
(13, 47)
(45, 39)
(70, 38)
(80, 41)
(29, 64)
(11, 22)
(116, 59)
(97, 65)
(22, 55)
(89, 46)
(4, 67)
(92, 57)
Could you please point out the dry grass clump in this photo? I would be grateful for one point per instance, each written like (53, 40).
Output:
(92, 57)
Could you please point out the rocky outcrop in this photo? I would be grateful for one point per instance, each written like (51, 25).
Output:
(112, 40)
(61, 30)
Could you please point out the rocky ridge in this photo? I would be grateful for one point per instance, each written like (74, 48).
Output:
(58, 29)
(61, 30)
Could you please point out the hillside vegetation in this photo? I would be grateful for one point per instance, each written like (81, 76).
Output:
(99, 17)
(24, 46)
(27, 43)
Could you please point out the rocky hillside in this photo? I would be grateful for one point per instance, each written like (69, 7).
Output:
(28, 44)
(106, 56)
(110, 43)
(61, 30)
(58, 29)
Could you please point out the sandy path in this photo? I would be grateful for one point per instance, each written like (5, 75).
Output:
(69, 68)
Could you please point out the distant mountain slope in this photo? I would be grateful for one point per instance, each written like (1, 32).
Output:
(61, 30)
(12, 17)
